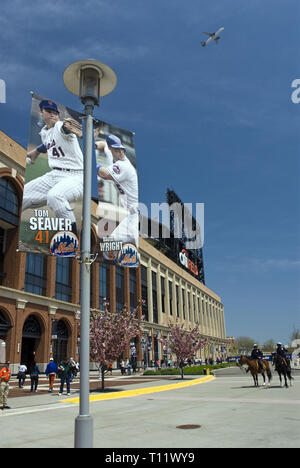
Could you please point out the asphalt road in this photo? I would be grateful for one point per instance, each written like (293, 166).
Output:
(227, 412)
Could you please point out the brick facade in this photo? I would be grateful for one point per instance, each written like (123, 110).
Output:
(18, 308)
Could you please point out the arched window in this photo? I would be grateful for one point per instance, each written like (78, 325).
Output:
(9, 202)
(4, 325)
(31, 340)
(35, 274)
(60, 337)
(31, 328)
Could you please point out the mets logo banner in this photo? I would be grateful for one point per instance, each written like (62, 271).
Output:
(52, 198)
(117, 211)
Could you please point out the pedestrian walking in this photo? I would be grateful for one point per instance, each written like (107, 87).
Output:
(74, 369)
(122, 366)
(22, 375)
(34, 376)
(51, 372)
(65, 374)
(128, 365)
(5, 374)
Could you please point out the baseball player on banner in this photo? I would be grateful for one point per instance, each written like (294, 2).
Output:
(59, 183)
(120, 170)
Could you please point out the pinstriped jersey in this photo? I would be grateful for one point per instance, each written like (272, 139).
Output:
(125, 177)
(63, 150)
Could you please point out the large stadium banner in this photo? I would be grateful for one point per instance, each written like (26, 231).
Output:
(52, 198)
(117, 212)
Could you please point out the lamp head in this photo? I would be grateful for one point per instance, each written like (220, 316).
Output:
(90, 80)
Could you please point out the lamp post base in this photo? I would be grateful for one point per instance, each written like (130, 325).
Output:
(84, 432)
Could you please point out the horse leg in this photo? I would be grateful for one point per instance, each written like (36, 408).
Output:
(285, 380)
(263, 374)
(289, 374)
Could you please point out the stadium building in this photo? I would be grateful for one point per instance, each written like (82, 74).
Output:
(40, 295)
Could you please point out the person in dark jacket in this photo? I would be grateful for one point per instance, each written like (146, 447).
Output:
(51, 372)
(65, 372)
(34, 376)
(258, 355)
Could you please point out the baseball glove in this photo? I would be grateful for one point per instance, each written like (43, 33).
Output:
(98, 128)
(72, 126)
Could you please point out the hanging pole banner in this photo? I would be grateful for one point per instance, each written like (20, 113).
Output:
(52, 198)
(118, 215)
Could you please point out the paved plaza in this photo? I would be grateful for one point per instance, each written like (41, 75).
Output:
(215, 412)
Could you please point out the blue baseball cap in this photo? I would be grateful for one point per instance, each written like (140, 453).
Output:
(114, 142)
(45, 104)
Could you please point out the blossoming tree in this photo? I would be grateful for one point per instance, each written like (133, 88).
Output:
(183, 343)
(110, 334)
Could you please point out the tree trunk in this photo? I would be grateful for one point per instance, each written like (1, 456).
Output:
(102, 376)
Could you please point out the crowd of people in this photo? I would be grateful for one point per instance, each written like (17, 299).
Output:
(66, 371)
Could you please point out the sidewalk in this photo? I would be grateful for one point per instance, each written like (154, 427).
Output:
(21, 397)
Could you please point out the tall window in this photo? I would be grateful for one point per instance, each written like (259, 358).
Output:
(199, 310)
(154, 298)
(163, 293)
(2, 253)
(63, 284)
(177, 300)
(183, 303)
(171, 297)
(144, 292)
(119, 288)
(9, 202)
(103, 284)
(35, 274)
(132, 286)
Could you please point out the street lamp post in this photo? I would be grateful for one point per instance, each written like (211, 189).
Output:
(88, 79)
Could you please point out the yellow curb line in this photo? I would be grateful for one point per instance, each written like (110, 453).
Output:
(142, 391)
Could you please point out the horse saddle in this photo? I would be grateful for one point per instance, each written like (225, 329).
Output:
(260, 368)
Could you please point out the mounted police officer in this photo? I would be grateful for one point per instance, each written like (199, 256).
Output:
(283, 352)
(257, 355)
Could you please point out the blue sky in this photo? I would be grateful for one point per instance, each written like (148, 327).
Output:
(216, 124)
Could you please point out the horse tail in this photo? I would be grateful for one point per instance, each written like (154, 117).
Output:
(268, 370)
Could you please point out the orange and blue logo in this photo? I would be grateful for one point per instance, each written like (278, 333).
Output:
(128, 256)
(64, 244)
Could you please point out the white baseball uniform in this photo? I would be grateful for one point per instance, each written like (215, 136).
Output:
(64, 183)
(125, 178)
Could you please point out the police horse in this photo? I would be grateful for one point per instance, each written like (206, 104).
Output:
(283, 369)
(255, 370)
